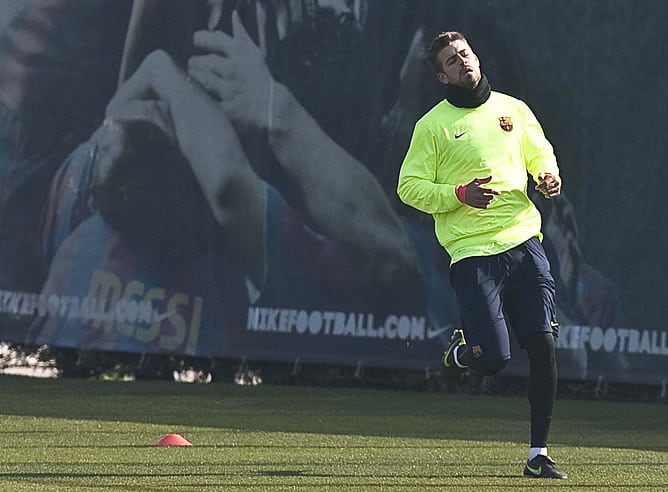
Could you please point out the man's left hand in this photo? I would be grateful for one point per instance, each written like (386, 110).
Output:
(549, 185)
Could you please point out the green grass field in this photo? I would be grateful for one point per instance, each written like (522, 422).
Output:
(69, 435)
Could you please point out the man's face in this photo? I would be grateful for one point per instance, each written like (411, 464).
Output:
(459, 64)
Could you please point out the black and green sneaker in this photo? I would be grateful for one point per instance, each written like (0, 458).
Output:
(543, 467)
(456, 340)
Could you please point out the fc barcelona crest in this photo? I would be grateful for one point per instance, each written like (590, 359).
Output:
(506, 123)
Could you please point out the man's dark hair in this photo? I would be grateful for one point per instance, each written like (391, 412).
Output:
(441, 40)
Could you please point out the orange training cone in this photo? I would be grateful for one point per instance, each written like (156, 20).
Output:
(172, 440)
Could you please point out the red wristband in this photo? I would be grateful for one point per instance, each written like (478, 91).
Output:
(460, 191)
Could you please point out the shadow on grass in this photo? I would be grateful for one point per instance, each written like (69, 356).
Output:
(347, 411)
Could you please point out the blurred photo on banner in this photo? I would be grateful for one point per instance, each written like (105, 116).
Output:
(216, 178)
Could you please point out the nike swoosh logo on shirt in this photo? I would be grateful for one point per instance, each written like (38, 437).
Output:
(457, 135)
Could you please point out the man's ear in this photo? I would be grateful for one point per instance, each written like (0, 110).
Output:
(442, 78)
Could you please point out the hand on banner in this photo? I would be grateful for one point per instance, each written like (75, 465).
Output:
(235, 72)
(161, 94)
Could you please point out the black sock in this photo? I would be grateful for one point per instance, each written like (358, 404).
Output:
(542, 385)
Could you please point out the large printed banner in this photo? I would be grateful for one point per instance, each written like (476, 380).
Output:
(217, 178)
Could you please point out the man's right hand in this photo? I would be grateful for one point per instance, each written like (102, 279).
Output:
(477, 196)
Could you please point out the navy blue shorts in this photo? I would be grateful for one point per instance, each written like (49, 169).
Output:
(515, 289)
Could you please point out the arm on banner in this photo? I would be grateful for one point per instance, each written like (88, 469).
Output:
(161, 93)
(340, 196)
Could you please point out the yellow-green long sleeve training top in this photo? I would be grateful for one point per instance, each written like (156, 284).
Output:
(450, 146)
